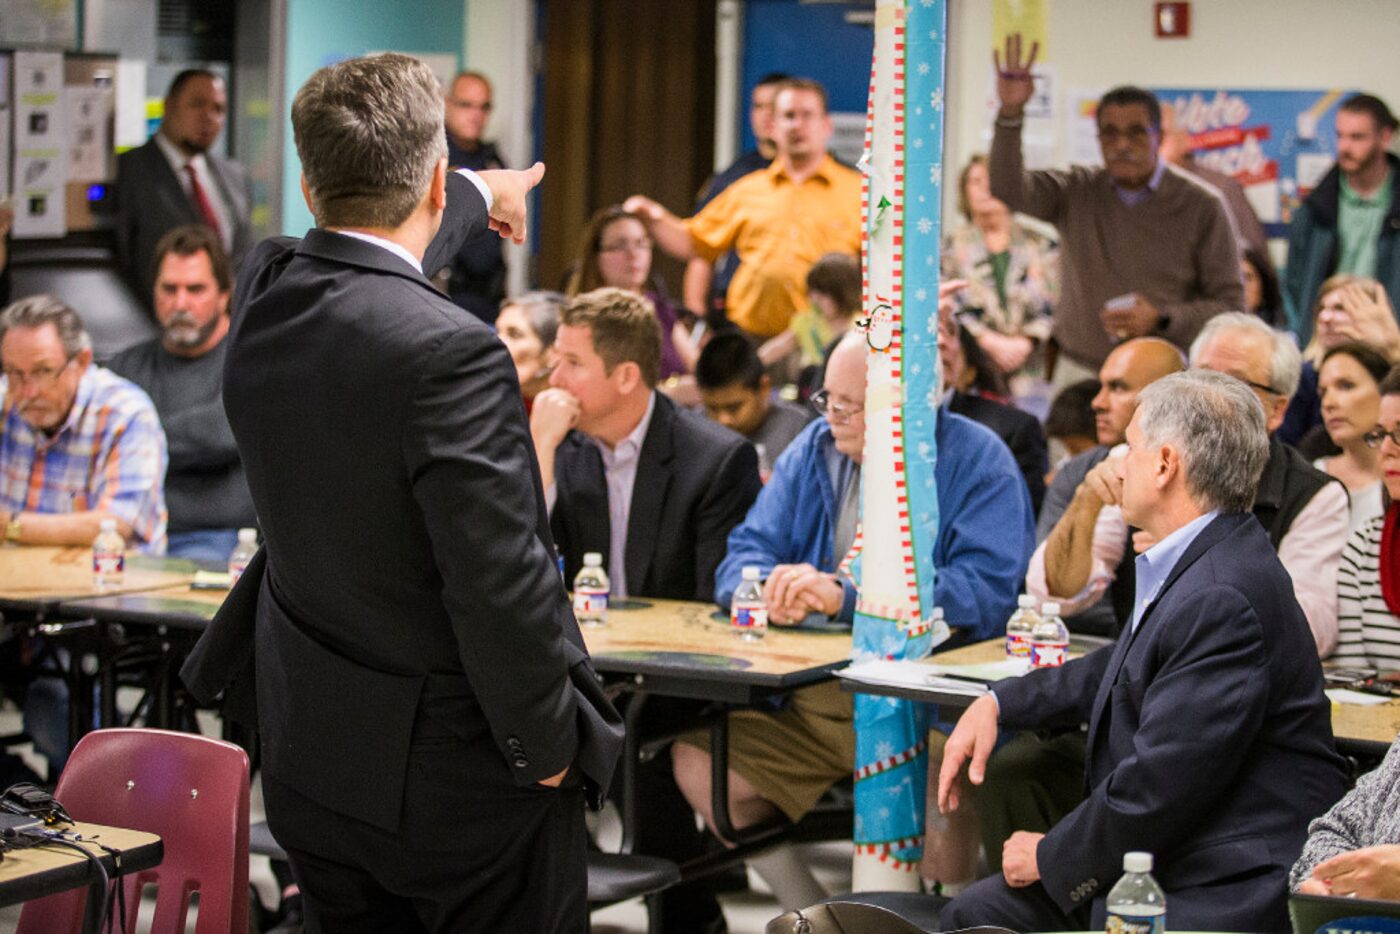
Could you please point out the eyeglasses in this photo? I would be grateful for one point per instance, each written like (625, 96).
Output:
(42, 378)
(1261, 387)
(839, 414)
(1375, 436)
(626, 246)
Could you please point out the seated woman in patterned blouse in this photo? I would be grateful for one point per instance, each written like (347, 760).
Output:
(1354, 849)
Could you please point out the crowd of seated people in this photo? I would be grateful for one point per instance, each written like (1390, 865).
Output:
(678, 497)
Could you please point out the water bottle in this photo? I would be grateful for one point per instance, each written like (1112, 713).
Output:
(1136, 905)
(1049, 638)
(108, 557)
(242, 553)
(591, 592)
(1019, 626)
(748, 613)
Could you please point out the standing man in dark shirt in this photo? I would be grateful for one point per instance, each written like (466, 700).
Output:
(477, 274)
(182, 371)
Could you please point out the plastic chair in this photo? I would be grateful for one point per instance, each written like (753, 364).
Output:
(189, 789)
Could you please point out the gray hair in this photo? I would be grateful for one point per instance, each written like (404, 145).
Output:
(39, 310)
(1217, 425)
(542, 309)
(369, 134)
(1285, 360)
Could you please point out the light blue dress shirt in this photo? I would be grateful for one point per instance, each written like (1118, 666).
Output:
(1155, 564)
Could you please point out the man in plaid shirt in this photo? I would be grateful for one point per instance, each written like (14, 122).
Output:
(78, 444)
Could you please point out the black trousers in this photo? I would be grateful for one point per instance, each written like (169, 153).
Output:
(991, 901)
(473, 852)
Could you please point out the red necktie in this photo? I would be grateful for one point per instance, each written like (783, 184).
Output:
(202, 203)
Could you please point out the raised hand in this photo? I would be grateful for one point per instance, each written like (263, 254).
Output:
(1014, 82)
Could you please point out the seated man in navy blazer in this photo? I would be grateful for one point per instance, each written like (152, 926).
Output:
(653, 488)
(1210, 741)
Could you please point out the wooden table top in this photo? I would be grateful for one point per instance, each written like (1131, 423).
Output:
(665, 640)
(181, 606)
(37, 577)
(1363, 728)
(38, 871)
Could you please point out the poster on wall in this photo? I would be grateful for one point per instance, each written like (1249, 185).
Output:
(1276, 144)
(41, 145)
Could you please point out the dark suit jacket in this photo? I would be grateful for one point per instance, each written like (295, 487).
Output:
(151, 202)
(695, 481)
(1020, 431)
(1210, 740)
(409, 586)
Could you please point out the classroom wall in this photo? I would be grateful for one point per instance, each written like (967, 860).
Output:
(322, 32)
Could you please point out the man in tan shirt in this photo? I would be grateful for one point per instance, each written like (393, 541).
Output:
(1146, 250)
(780, 220)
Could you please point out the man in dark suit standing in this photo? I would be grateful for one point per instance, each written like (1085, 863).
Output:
(1209, 738)
(174, 179)
(428, 715)
(653, 488)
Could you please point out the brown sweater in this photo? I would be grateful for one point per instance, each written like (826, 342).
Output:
(1176, 248)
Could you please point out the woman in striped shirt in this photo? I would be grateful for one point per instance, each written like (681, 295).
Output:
(1368, 581)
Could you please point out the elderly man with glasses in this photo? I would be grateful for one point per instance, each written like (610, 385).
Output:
(78, 444)
(798, 532)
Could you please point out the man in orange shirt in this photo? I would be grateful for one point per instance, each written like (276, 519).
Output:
(780, 220)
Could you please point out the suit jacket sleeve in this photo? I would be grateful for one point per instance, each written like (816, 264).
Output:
(468, 456)
(1210, 687)
(726, 501)
(465, 217)
(1052, 698)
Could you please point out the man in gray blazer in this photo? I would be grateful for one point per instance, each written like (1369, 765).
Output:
(174, 179)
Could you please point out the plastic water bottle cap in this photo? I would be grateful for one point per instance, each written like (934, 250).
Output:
(751, 572)
(248, 536)
(1050, 608)
(593, 560)
(107, 525)
(937, 613)
(1025, 601)
(1137, 862)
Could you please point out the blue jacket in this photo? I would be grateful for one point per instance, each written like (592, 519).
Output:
(985, 536)
(1313, 244)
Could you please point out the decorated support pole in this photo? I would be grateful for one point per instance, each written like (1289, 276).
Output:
(900, 199)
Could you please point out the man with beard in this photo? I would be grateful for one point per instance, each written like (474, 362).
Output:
(182, 372)
(1351, 221)
(175, 178)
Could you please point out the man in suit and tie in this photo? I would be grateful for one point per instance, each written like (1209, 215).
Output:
(653, 488)
(429, 720)
(175, 179)
(1209, 738)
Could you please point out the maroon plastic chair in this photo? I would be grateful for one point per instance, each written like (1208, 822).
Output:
(189, 789)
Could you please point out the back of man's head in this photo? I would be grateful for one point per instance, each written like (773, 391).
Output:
(1373, 107)
(837, 276)
(1216, 426)
(369, 135)
(623, 328)
(191, 240)
(809, 85)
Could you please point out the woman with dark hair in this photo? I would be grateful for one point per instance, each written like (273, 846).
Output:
(1349, 384)
(615, 250)
(1261, 292)
(1011, 275)
(1368, 579)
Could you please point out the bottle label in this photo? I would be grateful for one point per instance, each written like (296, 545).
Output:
(1017, 646)
(590, 603)
(1048, 654)
(1136, 924)
(108, 563)
(235, 571)
(749, 617)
